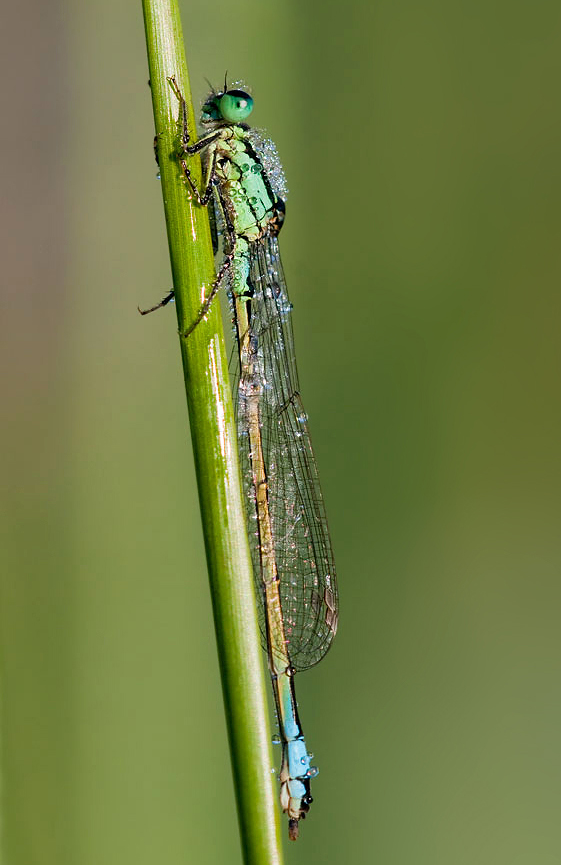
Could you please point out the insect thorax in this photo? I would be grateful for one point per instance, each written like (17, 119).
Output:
(244, 186)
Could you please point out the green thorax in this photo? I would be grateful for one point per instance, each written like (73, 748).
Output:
(244, 186)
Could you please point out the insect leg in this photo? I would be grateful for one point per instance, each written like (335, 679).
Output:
(225, 266)
(164, 302)
(202, 198)
(190, 149)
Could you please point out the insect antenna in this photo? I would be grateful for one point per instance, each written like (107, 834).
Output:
(212, 90)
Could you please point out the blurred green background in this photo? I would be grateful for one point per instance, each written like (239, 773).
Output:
(422, 248)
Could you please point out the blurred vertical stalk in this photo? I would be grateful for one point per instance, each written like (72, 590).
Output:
(215, 449)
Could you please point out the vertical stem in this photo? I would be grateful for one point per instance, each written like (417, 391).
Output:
(215, 448)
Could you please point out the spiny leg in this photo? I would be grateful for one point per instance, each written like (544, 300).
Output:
(185, 137)
(225, 266)
(185, 149)
(191, 149)
(164, 302)
(182, 113)
(205, 197)
(202, 199)
(213, 292)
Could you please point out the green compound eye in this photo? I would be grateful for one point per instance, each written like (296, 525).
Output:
(235, 105)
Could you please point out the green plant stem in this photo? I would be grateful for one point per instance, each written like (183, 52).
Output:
(215, 449)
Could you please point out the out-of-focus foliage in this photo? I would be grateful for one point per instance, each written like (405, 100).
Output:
(421, 144)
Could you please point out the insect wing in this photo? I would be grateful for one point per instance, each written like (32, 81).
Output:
(304, 559)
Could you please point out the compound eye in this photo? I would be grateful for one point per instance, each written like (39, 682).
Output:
(235, 105)
(211, 110)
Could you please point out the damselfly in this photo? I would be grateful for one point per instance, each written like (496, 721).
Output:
(289, 538)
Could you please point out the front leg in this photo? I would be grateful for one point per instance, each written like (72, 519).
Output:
(191, 149)
(202, 198)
